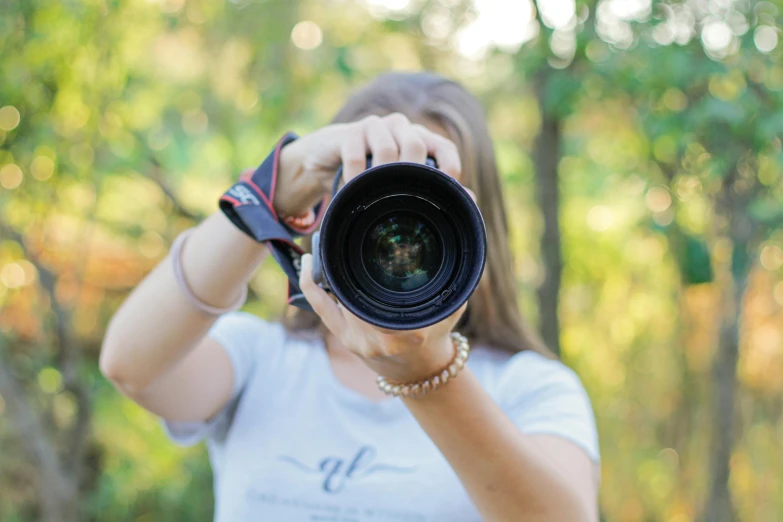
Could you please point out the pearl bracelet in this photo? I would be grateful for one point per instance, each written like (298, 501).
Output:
(397, 389)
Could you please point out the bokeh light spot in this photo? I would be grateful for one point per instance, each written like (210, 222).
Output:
(436, 23)
(665, 149)
(778, 293)
(9, 118)
(29, 271)
(670, 457)
(42, 168)
(500, 23)
(392, 5)
(727, 88)
(765, 38)
(172, 6)
(11, 176)
(64, 409)
(600, 218)
(50, 380)
(658, 199)
(557, 14)
(629, 9)
(771, 257)
(12, 275)
(82, 155)
(195, 121)
(716, 35)
(158, 138)
(674, 99)
(306, 35)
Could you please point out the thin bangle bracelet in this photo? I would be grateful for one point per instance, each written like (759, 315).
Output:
(176, 254)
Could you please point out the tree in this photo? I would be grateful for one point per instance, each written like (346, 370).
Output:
(711, 111)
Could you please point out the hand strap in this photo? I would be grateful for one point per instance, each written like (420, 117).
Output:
(249, 204)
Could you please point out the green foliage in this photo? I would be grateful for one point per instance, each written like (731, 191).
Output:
(695, 263)
(122, 121)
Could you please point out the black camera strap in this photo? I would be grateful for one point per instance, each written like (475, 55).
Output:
(249, 204)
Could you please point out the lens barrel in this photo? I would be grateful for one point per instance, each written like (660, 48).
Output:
(402, 246)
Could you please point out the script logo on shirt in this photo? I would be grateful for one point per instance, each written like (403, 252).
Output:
(338, 471)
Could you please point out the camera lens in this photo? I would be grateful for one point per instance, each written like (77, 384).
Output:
(401, 246)
(401, 252)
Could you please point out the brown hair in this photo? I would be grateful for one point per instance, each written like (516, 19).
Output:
(492, 318)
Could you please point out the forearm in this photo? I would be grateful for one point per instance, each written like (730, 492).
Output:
(503, 471)
(156, 326)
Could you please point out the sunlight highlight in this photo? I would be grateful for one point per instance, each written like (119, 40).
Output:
(557, 14)
(9, 118)
(499, 23)
(10, 176)
(600, 218)
(306, 35)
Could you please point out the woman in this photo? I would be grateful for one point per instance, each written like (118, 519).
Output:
(296, 423)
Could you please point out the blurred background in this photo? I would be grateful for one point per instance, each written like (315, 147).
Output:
(640, 146)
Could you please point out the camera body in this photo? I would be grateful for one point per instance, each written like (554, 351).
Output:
(402, 246)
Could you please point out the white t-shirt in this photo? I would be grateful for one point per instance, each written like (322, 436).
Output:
(295, 445)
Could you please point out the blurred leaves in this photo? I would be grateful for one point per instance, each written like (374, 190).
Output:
(122, 121)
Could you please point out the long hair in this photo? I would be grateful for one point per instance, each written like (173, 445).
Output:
(492, 318)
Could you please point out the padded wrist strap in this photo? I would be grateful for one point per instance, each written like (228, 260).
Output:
(249, 204)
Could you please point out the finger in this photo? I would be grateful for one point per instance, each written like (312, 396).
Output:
(450, 322)
(471, 194)
(380, 141)
(412, 146)
(322, 304)
(456, 316)
(353, 152)
(443, 150)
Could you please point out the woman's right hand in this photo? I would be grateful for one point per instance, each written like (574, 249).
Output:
(308, 165)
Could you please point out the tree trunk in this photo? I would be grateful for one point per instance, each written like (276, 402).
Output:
(720, 507)
(547, 157)
(58, 493)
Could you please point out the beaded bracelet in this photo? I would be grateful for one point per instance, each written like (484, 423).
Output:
(396, 389)
(176, 254)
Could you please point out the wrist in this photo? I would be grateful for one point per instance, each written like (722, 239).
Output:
(433, 379)
(296, 192)
(428, 359)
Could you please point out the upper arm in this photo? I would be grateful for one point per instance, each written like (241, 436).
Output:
(195, 389)
(548, 403)
(215, 371)
(575, 468)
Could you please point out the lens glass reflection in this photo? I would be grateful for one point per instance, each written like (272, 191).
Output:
(402, 252)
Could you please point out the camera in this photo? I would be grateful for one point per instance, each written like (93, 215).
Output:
(402, 245)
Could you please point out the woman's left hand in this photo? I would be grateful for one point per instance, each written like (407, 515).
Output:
(403, 356)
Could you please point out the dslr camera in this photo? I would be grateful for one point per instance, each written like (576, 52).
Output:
(402, 245)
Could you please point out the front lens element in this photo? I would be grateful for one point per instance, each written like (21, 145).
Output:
(402, 252)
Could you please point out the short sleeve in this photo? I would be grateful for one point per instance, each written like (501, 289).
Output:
(249, 342)
(544, 396)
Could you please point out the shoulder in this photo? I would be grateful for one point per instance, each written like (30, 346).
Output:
(541, 395)
(246, 329)
(505, 372)
(249, 339)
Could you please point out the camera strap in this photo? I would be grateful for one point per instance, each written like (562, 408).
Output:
(249, 204)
